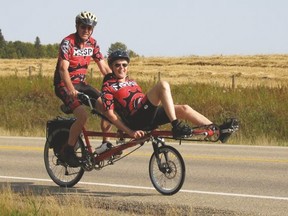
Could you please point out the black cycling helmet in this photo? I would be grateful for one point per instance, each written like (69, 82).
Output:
(118, 54)
(86, 18)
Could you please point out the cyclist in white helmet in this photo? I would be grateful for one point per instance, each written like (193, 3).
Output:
(75, 53)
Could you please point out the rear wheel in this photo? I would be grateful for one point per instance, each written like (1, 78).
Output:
(168, 176)
(59, 171)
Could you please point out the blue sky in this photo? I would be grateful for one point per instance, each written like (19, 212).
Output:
(157, 27)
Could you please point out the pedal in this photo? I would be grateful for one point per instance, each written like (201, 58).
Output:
(227, 128)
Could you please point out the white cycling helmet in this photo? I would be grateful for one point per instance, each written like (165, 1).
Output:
(86, 18)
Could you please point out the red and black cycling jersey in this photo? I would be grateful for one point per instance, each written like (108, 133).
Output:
(123, 97)
(79, 58)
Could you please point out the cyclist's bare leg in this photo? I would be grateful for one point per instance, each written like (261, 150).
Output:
(105, 125)
(76, 128)
(187, 113)
(161, 93)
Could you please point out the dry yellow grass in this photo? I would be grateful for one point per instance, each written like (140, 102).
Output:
(28, 202)
(268, 70)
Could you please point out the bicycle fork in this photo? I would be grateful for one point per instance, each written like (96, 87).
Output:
(163, 165)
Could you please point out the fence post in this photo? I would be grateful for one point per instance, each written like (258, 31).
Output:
(91, 72)
(233, 81)
(159, 76)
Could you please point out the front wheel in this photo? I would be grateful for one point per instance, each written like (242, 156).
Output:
(167, 175)
(58, 170)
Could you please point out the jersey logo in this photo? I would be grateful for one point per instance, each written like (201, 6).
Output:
(117, 86)
(88, 51)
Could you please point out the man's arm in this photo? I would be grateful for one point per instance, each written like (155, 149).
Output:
(103, 67)
(64, 73)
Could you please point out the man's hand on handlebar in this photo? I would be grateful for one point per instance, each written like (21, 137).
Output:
(137, 134)
(73, 93)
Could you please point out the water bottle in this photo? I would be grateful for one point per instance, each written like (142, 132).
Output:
(103, 147)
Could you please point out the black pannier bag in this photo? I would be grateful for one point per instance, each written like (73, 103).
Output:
(57, 132)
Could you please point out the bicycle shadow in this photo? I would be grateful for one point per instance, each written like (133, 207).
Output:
(36, 189)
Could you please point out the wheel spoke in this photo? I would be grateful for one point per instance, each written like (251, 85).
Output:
(169, 178)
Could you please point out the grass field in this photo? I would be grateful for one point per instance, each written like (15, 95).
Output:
(268, 70)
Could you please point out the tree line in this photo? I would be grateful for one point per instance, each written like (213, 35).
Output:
(18, 49)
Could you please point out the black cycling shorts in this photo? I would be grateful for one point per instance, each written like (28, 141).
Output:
(147, 117)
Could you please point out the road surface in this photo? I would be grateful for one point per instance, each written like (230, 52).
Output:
(240, 180)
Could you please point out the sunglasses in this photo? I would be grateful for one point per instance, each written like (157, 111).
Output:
(123, 65)
(84, 27)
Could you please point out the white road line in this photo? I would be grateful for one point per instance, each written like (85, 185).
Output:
(151, 188)
(25, 179)
(236, 195)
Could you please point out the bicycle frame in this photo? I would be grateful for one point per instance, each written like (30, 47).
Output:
(149, 136)
(118, 148)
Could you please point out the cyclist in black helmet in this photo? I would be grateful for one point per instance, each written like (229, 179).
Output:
(75, 53)
(123, 97)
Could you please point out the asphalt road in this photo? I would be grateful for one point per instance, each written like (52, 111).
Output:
(240, 180)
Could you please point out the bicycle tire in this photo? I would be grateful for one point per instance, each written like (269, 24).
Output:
(170, 180)
(59, 172)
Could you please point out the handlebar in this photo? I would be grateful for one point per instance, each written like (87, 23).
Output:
(85, 98)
